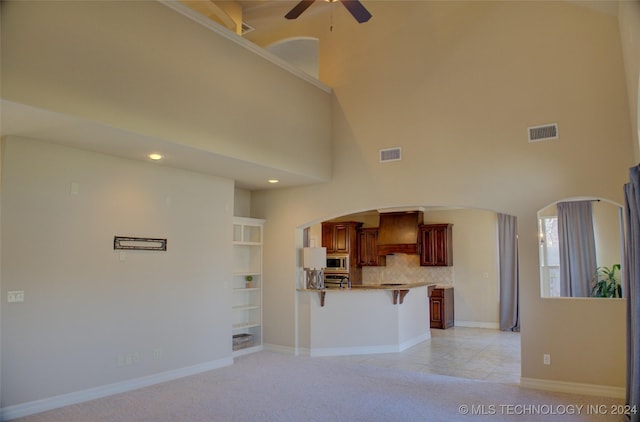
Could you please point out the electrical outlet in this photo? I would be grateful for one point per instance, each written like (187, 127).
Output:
(126, 359)
(157, 354)
(546, 359)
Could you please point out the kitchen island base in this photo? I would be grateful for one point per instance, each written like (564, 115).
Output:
(362, 321)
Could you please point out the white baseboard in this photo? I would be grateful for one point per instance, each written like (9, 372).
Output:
(573, 387)
(477, 324)
(37, 406)
(294, 351)
(280, 349)
(302, 351)
(348, 351)
(416, 340)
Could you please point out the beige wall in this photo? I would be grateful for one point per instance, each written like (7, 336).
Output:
(242, 203)
(456, 85)
(475, 263)
(629, 18)
(608, 233)
(85, 308)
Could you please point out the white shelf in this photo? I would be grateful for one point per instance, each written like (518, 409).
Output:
(247, 231)
(241, 243)
(246, 325)
(245, 307)
(247, 261)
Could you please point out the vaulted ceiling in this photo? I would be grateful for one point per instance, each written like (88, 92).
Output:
(20, 120)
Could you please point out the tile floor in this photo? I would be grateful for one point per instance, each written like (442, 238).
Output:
(475, 353)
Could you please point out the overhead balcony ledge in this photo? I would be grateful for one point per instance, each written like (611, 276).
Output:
(231, 36)
(169, 78)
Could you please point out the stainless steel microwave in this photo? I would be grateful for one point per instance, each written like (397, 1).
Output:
(337, 263)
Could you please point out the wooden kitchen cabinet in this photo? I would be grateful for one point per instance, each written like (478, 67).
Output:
(368, 248)
(436, 245)
(340, 237)
(441, 308)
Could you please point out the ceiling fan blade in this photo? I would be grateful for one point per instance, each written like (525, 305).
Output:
(359, 12)
(298, 9)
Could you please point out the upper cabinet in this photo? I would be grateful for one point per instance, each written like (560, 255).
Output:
(436, 242)
(340, 237)
(368, 248)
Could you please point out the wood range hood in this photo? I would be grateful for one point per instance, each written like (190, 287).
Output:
(398, 232)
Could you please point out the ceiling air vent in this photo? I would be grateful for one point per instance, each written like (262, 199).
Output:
(390, 154)
(246, 28)
(543, 133)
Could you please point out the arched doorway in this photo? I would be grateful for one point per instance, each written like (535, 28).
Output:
(301, 52)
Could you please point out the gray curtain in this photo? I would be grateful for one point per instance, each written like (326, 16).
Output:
(577, 247)
(509, 279)
(631, 273)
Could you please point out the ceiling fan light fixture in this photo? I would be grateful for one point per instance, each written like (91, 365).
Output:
(357, 10)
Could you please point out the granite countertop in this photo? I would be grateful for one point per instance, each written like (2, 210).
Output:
(391, 286)
(383, 286)
(398, 290)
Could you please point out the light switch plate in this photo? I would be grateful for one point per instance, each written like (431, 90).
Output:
(15, 296)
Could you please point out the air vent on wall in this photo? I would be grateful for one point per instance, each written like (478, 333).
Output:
(246, 28)
(543, 132)
(390, 154)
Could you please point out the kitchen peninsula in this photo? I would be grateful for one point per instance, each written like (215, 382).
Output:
(365, 319)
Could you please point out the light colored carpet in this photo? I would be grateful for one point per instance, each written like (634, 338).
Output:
(269, 386)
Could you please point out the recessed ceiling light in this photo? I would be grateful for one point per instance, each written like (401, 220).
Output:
(155, 156)
(273, 181)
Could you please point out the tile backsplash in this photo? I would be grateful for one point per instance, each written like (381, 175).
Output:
(406, 269)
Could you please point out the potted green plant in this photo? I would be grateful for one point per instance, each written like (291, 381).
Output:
(248, 280)
(605, 284)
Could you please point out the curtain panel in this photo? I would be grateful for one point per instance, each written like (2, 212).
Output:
(509, 278)
(577, 247)
(631, 272)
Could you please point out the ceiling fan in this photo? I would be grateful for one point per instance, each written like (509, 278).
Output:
(357, 10)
